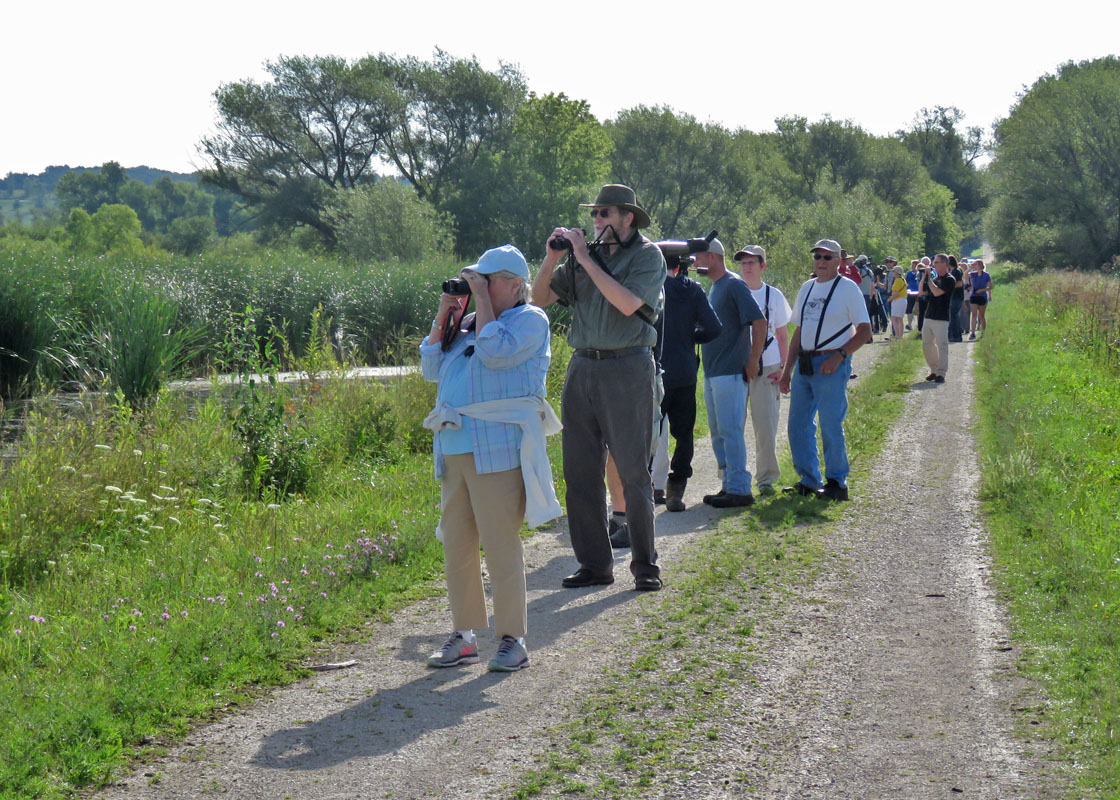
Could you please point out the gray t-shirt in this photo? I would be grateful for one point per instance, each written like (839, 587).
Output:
(736, 308)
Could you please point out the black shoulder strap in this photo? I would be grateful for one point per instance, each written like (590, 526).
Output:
(766, 313)
(817, 343)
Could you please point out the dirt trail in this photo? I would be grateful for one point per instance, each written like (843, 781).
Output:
(884, 680)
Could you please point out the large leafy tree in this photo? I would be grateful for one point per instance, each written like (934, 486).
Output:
(323, 124)
(1056, 169)
(449, 111)
(282, 145)
(948, 151)
(677, 165)
(555, 158)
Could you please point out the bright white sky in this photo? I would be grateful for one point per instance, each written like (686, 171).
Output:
(84, 83)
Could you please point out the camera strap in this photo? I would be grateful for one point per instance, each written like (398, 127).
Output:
(817, 343)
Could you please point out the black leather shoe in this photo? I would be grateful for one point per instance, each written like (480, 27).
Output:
(659, 497)
(939, 379)
(801, 489)
(647, 583)
(708, 498)
(931, 377)
(833, 491)
(730, 500)
(586, 577)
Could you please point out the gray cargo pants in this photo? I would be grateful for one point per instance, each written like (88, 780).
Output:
(610, 403)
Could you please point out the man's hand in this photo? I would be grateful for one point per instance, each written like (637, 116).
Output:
(832, 363)
(752, 369)
(783, 383)
(775, 377)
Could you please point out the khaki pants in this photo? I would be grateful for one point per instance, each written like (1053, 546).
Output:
(488, 510)
(935, 345)
(764, 399)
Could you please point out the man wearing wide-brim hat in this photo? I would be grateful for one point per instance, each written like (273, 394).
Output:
(614, 288)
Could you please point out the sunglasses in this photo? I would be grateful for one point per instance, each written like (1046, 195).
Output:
(823, 256)
(600, 212)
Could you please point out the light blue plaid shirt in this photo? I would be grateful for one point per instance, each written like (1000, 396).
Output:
(510, 358)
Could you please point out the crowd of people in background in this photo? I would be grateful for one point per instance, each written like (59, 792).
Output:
(631, 387)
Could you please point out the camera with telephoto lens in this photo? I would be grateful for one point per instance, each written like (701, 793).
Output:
(457, 287)
(678, 252)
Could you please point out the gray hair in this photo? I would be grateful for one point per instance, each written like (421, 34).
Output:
(525, 292)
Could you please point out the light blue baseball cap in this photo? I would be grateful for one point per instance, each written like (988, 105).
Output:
(506, 258)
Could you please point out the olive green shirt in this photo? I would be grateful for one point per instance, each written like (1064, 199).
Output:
(639, 266)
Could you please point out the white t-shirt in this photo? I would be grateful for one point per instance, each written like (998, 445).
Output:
(845, 310)
(779, 314)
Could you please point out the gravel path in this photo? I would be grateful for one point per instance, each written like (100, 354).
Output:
(891, 677)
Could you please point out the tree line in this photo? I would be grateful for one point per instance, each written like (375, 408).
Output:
(385, 157)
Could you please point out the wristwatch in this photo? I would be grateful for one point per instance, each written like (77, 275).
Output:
(843, 353)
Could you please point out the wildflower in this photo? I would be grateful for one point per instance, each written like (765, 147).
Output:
(165, 615)
(114, 489)
(132, 627)
(184, 613)
(102, 447)
(206, 658)
(137, 452)
(17, 631)
(279, 623)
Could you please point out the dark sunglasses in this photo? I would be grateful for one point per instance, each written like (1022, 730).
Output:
(823, 256)
(600, 212)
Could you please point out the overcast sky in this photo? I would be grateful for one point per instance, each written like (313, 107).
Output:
(83, 83)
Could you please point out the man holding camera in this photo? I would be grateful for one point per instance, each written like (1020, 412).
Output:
(832, 323)
(731, 361)
(614, 289)
(935, 333)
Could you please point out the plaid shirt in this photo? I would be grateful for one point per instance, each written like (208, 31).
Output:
(510, 358)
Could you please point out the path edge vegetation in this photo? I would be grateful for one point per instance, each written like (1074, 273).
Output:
(701, 634)
(1048, 396)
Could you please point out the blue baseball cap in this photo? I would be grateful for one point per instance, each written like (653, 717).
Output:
(506, 258)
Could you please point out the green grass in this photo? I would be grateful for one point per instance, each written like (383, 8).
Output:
(147, 581)
(694, 641)
(1050, 413)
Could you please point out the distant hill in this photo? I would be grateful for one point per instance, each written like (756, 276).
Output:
(25, 197)
(48, 178)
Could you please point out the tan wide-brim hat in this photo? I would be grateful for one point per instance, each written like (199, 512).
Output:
(615, 194)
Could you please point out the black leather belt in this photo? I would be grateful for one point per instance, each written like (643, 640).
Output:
(815, 353)
(599, 355)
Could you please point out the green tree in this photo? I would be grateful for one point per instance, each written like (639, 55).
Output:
(387, 221)
(116, 229)
(557, 156)
(449, 112)
(948, 152)
(91, 189)
(1056, 170)
(675, 164)
(322, 124)
(317, 125)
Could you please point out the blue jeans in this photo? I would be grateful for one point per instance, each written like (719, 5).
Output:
(726, 399)
(955, 319)
(826, 397)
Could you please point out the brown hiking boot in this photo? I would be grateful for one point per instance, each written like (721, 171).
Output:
(674, 495)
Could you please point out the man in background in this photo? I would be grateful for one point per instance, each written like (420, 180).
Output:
(731, 361)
